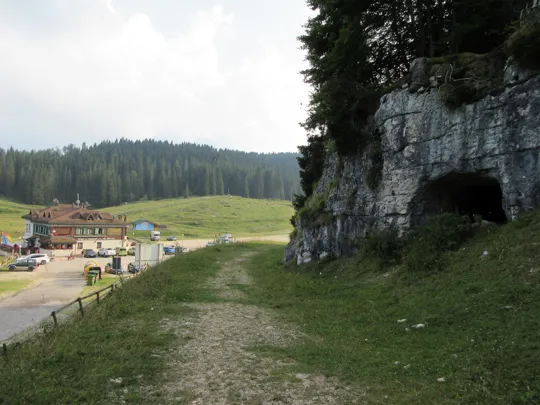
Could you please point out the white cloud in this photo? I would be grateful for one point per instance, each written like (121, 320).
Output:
(119, 76)
(109, 5)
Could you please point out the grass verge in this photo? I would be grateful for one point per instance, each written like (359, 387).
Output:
(479, 339)
(118, 347)
(203, 217)
(106, 281)
(9, 286)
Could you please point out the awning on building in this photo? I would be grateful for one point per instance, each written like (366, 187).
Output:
(58, 240)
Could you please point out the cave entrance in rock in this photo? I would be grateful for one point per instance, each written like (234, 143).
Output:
(466, 194)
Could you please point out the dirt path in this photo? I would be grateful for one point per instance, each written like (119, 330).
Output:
(216, 367)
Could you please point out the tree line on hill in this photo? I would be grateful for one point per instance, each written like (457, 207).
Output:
(357, 49)
(111, 173)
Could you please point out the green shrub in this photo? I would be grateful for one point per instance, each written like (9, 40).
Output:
(382, 246)
(467, 77)
(293, 234)
(524, 44)
(313, 206)
(455, 94)
(442, 233)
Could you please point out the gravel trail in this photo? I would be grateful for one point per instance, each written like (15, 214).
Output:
(217, 367)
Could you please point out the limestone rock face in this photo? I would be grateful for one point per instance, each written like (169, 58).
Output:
(434, 157)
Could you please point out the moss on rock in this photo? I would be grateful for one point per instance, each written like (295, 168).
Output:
(524, 44)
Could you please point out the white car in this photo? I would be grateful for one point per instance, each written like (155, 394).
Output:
(105, 252)
(41, 258)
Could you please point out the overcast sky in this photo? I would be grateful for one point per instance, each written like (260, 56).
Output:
(221, 72)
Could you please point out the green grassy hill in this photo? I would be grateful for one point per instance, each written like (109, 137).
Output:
(10, 217)
(196, 217)
(456, 324)
(203, 217)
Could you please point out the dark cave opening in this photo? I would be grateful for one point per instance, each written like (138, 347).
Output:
(466, 194)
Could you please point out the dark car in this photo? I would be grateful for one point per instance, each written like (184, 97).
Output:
(90, 253)
(134, 268)
(29, 264)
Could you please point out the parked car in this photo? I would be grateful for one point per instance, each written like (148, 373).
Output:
(121, 252)
(171, 237)
(105, 252)
(109, 269)
(89, 253)
(134, 268)
(29, 264)
(168, 250)
(131, 251)
(39, 257)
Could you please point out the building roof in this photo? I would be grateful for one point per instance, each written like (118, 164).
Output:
(72, 215)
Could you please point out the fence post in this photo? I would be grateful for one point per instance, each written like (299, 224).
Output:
(80, 306)
(53, 314)
(97, 295)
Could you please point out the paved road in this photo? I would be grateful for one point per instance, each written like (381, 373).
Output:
(53, 285)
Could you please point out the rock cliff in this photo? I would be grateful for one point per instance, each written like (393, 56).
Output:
(481, 158)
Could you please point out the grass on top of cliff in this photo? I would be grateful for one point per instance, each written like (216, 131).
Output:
(464, 334)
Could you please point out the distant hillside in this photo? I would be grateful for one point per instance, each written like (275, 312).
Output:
(203, 217)
(10, 217)
(111, 173)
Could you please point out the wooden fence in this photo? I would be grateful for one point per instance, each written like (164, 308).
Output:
(80, 304)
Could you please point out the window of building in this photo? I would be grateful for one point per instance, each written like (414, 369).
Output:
(99, 245)
(40, 229)
(79, 245)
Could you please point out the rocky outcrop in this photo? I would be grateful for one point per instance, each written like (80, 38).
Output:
(433, 157)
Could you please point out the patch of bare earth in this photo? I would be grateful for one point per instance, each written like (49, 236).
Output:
(216, 367)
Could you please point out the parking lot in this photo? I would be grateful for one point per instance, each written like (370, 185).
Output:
(53, 285)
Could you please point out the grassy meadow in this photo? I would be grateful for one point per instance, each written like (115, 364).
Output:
(195, 217)
(10, 217)
(203, 217)
(463, 331)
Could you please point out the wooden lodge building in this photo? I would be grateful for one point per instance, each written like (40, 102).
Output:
(65, 229)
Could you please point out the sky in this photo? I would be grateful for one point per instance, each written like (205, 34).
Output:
(223, 72)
